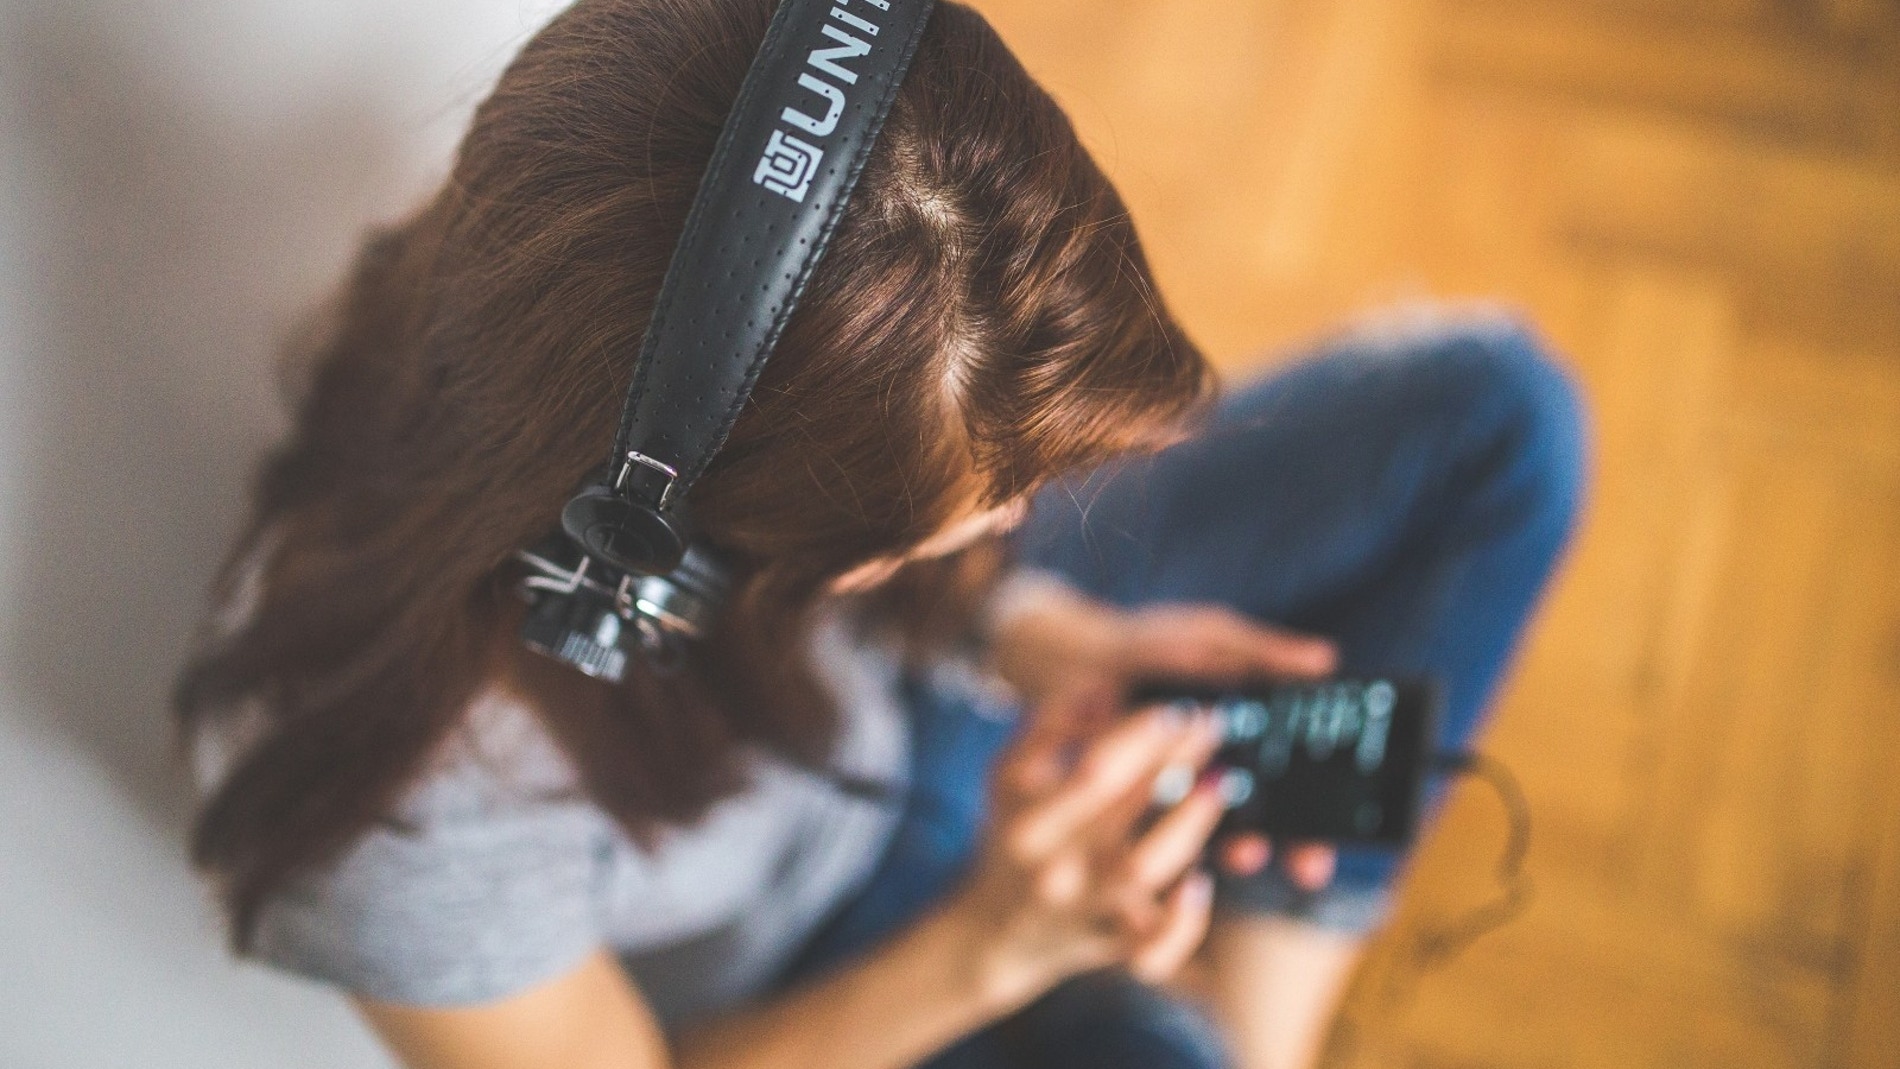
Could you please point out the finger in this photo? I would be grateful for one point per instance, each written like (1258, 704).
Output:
(1290, 653)
(1183, 926)
(1270, 650)
(1127, 754)
(1216, 642)
(1174, 777)
(1174, 842)
(1245, 853)
(1312, 865)
(1037, 760)
(1194, 648)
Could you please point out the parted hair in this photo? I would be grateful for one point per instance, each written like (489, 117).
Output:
(983, 321)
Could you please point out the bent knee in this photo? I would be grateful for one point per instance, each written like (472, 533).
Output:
(1514, 401)
(1542, 415)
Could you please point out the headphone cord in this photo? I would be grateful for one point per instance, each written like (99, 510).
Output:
(1433, 947)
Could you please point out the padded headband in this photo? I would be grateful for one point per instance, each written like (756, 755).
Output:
(785, 163)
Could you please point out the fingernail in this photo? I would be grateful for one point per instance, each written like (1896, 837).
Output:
(1235, 787)
(1173, 784)
(1245, 857)
(1200, 887)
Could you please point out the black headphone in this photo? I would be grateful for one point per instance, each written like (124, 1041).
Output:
(789, 154)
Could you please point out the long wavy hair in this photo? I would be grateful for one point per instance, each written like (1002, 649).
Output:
(984, 321)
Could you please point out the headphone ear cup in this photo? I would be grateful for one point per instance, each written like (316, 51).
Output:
(625, 534)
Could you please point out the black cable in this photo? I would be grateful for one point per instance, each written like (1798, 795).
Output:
(1434, 947)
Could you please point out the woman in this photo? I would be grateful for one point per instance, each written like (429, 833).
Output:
(775, 855)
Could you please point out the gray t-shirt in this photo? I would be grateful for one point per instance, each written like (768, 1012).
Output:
(510, 876)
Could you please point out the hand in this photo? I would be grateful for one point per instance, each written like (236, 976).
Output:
(1051, 641)
(1058, 644)
(1065, 880)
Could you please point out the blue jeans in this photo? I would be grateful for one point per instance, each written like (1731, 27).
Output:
(1406, 495)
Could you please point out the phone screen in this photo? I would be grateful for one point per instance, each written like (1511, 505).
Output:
(1341, 760)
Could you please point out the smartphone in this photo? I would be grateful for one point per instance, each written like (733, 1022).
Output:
(1338, 760)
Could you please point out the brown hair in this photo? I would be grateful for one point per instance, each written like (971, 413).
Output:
(983, 321)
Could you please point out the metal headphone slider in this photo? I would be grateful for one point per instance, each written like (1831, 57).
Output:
(623, 479)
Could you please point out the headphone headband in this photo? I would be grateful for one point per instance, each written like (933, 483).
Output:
(787, 158)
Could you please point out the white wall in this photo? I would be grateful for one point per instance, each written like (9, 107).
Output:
(178, 178)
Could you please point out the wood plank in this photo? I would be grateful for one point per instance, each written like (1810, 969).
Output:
(1813, 243)
(1869, 1035)
(1791, 90)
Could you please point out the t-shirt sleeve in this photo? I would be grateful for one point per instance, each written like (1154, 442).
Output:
(450, 913)
(491, 878)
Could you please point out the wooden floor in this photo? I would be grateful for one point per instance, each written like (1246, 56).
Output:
(1699, 202)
